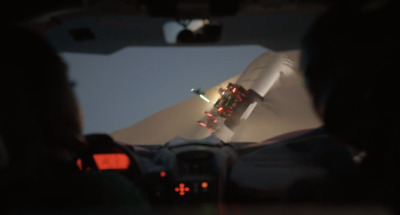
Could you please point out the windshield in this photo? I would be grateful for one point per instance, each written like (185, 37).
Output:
(137, 91)
(132, 81)
(120, 89)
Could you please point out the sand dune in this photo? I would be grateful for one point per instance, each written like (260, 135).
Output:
(286, 107)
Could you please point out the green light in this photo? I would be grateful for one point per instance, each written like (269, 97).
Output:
(192, 89)
(204, 98)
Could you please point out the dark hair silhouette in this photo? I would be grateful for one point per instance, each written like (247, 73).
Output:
(350, 61)
(39, 119)
(40, 128)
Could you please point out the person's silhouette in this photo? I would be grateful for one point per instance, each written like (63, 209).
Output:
(41, 135)
(349, 59)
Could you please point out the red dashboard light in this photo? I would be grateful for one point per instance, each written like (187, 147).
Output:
(204, 184)
(79, 163)
(182, 189)
(163, 174)
(115, 161)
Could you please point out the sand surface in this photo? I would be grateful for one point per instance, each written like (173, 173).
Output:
(286, 107)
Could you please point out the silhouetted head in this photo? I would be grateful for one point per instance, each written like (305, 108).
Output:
(185, 36)
(350, 63)
(39, 117)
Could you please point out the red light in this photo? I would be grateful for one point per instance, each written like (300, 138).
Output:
(204, 184)
(163, 174)
(202, 124)
(112, 161)
(209, 114)
(79, 163)
(215, 121)
(220, 109)
(210, 129)
(234, 90)
(182, 189)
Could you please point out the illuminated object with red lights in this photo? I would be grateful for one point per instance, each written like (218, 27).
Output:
(182, 189)
(210, 123)
(231, 98)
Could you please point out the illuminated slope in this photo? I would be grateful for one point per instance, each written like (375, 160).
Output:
(286, 107)
(179, 120)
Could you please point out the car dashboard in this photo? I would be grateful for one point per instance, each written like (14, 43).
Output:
(184, 171)
(187, 172)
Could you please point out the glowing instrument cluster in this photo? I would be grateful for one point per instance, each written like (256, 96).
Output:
(187, 172)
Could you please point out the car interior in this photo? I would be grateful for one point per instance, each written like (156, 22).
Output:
(206, 175)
